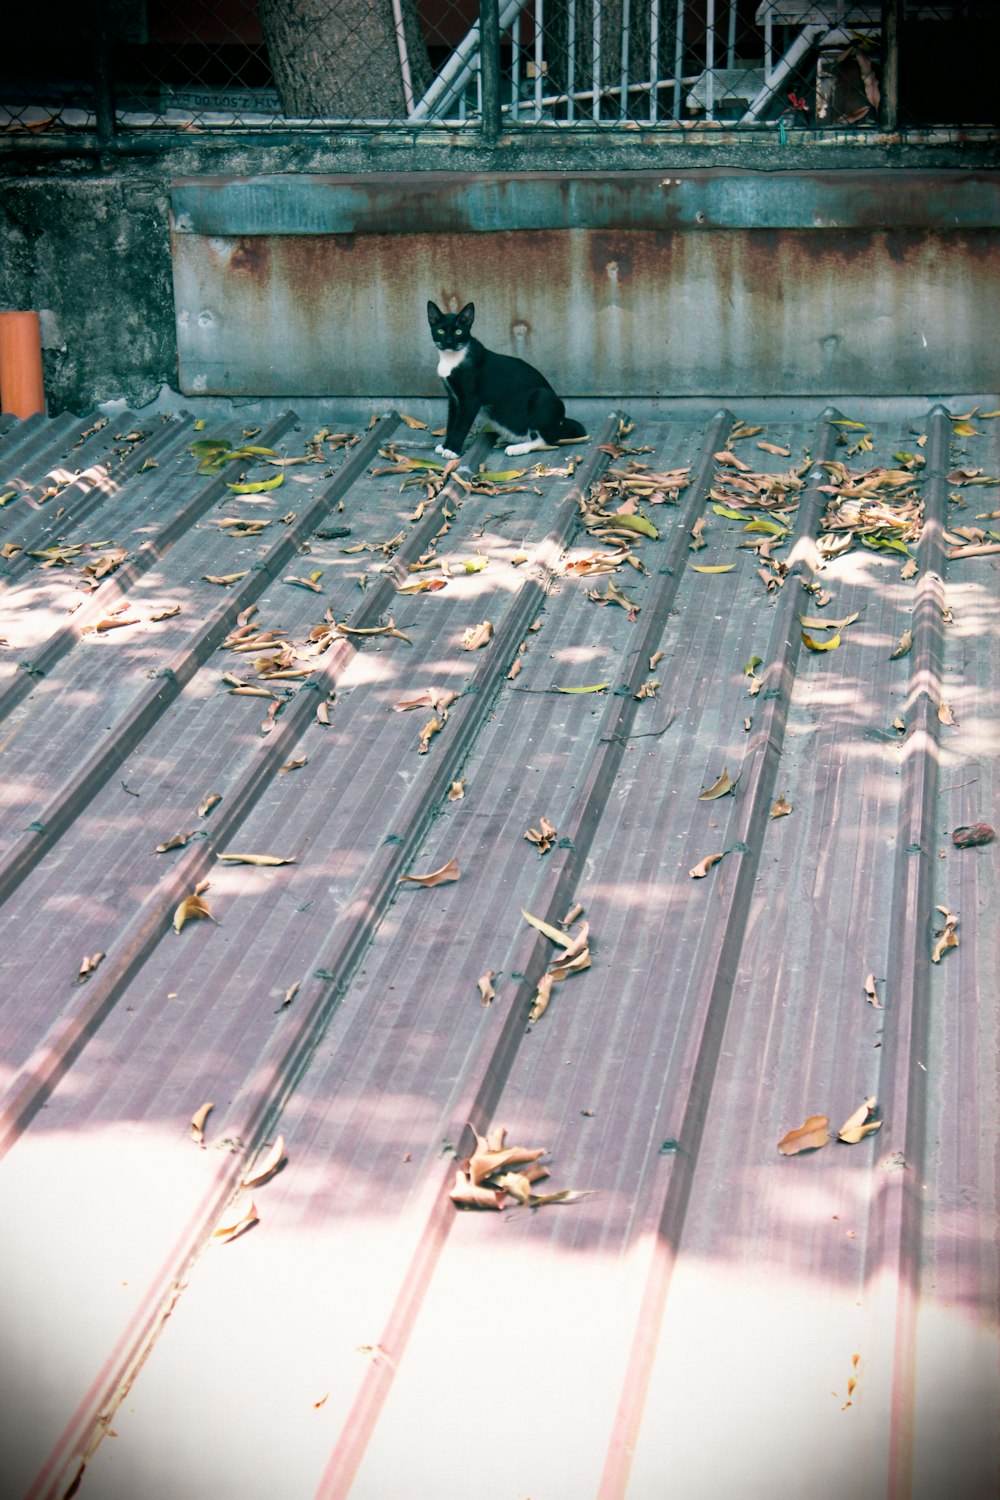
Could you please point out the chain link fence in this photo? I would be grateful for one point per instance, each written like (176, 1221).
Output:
(126, 66)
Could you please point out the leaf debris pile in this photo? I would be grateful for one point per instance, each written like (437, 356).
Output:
(495, 1172)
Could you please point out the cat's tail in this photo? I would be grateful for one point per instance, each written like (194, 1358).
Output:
(568, 428)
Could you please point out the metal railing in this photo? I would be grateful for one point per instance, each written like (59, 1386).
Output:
(488, 65)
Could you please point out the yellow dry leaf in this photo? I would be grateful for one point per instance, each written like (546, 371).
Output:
(724, 785)
(815, 645)
(430, 729)
(656, 657)
(808, 1137)
(716, 568)
(486, 1162)
(561, 967)
(225, 578)
(553, 933)
(267, 1167)
(701, 869)
(948, 938)
(447, 872)
(192, 908)
(485, 987)
(412, 422)
(781, 808)
(198, 1123)
(945, 714)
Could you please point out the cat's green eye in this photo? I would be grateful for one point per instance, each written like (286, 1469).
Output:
(440, 332)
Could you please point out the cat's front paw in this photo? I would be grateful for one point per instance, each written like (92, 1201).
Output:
(445, 452)
(518, 450)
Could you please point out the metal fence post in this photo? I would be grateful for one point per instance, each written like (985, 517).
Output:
(489, 67)
(889, 114)
(103, 72)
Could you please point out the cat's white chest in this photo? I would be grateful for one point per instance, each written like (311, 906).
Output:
(449, 360)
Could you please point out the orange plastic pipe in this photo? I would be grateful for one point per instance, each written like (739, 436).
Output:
(22, 393)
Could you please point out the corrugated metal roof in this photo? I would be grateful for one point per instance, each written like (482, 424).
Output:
(712, 1317)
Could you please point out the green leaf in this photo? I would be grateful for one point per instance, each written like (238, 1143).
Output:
(201, 447)
(846, 422)
(729, 513)
(885, 544)
(636, 523)
(772, 528)
(256, 486)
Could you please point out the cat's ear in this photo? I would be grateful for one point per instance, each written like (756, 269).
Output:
(434, 313)
(467, 314)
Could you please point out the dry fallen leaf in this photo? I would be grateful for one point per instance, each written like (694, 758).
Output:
(88, 966)
(781, 808)
(909, 568)
(436, 698)
(871, 993)
(265, 861)
(972, 835)
(430, 729)
(485, 986)
(571, 916)
(193, 908)
(447, 872)
(945, 714)
(266, 1167)
(553, 933)
(467, 1194)
(905, 643)
(212, 800)
(293, 765)
(543, 995)
(456, 791)
(808, 1137)
(701, 869)
(476, 636)
(237, 1218)
(858, 1125)
(198, 1123)
(948, 938)
(724, 785)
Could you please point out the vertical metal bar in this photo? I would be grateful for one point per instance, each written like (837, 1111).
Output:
(654, 59)
(710, 60)
(489, 67)
(570, 59)
(889, 113)
(679, 59)
(768, 45)
(539, 38)
(596, 106)
(626, 18)
(731, 39)
(103, 71)
(515, 67)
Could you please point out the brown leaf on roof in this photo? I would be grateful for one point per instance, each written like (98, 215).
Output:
(724, 785)
(871, 993)
(902, 649)
(701, 869)
(946, 938)
(212, 800)
(447, 872)
(476, 636)
(193, 908)
(467, 1194)
(456, 791)
(267, 1166)
(198, 1123)
(808, 1137)
(264, 861)
(543, 994)
(859, 1124)
(88, 966)
(485, 987)
(236, 1219)
(781, 808)
(972, 835)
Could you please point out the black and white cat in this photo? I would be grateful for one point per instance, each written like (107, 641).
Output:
(514, 395)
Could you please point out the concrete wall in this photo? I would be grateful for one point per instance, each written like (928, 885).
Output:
(608, 306)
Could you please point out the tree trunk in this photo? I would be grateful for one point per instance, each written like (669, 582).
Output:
(340, 59)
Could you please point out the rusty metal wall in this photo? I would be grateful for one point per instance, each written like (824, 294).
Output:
(746, 286)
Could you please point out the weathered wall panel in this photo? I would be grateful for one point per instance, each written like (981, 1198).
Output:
(690, 311)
